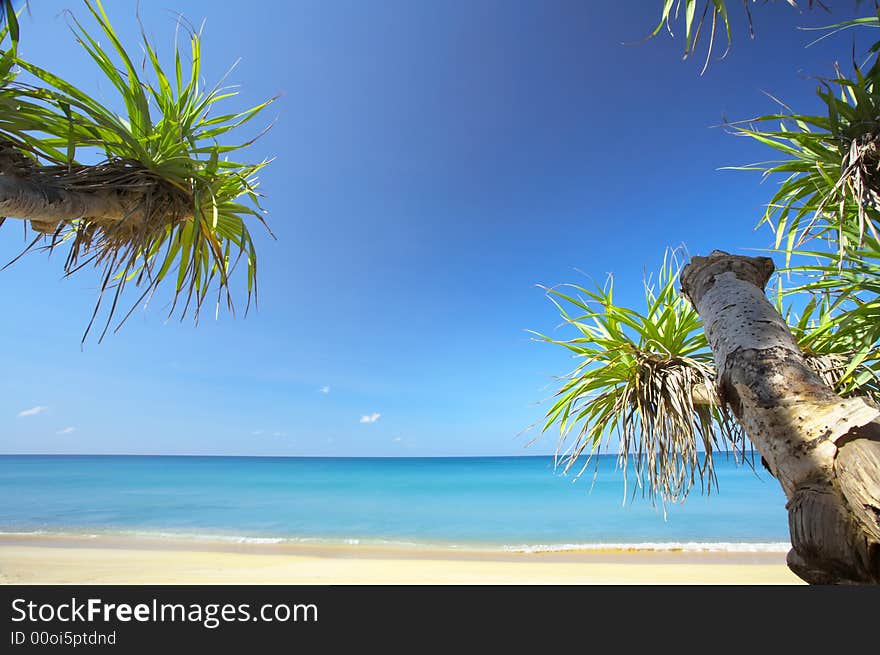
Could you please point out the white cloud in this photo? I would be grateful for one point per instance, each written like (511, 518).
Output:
(33, 411)
(325, 389)
(279, 434)
(397, 439)
(372, 418)
(66, 430)
(257, 433)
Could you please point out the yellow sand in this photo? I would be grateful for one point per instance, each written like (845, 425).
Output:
(62, 560)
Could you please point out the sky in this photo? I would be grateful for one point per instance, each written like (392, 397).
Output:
(435, 161)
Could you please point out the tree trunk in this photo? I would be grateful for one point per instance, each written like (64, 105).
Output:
(823, 449)
(46, 205)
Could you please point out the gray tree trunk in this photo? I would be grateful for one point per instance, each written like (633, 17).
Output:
(47, 205)
(823, 449)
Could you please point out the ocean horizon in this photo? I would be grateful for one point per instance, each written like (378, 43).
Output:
(513, 503)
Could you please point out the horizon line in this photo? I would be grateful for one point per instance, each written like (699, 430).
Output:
(551, 455)
(266, 456)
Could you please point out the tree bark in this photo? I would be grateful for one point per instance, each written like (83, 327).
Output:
(46, 205)
(823, 449)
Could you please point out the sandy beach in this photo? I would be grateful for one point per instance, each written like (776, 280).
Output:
(39, 559)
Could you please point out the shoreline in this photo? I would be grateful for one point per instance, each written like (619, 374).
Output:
(216, 540)
(115, 559)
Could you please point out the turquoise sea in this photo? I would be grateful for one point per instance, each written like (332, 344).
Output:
(515, 503)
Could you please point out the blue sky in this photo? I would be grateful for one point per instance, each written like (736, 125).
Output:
(435, 161)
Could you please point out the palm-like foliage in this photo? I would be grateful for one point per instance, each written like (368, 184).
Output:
(646, 379)
(9, 20)
(186, 204)
(831, 167)
(838, 329)
(829, 198)
(697, 17)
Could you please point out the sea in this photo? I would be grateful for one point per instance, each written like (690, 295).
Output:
(495, 503)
